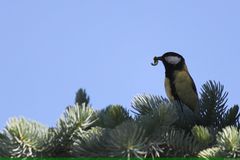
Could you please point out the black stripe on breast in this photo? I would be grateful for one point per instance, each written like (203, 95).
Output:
(171, 78)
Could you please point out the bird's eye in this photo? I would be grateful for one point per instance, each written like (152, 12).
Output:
(172, 59)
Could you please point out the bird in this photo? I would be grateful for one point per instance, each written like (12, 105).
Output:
(179, 85)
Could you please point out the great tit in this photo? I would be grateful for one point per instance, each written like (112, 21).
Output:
(179, 85)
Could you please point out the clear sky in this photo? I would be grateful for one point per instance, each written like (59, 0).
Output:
(50, 49)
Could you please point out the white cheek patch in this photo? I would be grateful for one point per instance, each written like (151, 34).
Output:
(173, 59)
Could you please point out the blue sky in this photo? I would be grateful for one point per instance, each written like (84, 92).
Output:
(50, 49)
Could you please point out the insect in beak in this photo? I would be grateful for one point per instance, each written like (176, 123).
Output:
(155, 60)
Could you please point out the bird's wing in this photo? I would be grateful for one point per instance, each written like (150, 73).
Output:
(186, 89)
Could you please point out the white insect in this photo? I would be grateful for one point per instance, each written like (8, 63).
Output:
(173, 59)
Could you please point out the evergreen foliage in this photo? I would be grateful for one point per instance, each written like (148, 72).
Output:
(75, 118)
(82, 97)
(112, 116)
(227, 145)
(23, 138)
(157, 128)
(213, 108)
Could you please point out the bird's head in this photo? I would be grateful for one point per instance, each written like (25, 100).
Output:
(171, 60)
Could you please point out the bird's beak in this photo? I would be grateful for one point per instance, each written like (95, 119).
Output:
(156, 59)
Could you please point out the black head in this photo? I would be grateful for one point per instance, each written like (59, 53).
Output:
(171, 60)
